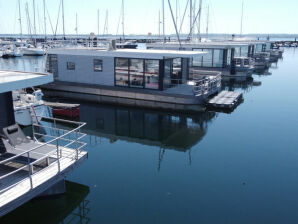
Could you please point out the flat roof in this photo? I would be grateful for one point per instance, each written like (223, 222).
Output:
(127, 53)
(205, 45)
(13, 80)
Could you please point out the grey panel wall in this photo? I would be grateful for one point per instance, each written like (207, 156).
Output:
(84, 71)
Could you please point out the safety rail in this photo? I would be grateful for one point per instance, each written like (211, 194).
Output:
(206, 82)
(55, 154)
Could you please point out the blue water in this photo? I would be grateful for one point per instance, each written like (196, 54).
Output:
(160, 167)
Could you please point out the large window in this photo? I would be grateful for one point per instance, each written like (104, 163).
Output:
(151, 74)
(217, 58)
(121, 72)
(71, 66)
(97, 65)
(136, 72)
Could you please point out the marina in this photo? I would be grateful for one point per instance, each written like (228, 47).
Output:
(168, 112)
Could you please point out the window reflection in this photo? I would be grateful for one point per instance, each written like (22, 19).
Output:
(151, 74)
(121, 72)
(136, 71)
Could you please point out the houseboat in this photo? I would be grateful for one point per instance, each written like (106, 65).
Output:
(220, 56)
(34, 166)
(146, 78)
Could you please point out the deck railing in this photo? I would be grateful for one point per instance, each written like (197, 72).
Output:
(206, 82)
(56, 138)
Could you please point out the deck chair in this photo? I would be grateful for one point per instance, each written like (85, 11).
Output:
(16, 143)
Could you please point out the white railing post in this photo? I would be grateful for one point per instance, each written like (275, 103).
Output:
(30, 170)
(77, 148)
(58, 156)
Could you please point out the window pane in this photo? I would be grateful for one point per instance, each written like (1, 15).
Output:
(136, 71)
(97, 65)
(218, 58)
(152, 74)
(121, 72)
(177, 69)
(71, 66)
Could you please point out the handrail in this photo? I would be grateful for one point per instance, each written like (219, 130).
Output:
(82, 124)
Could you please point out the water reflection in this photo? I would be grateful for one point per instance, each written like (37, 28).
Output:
(163, 129)
(246, 85)
(71, 207)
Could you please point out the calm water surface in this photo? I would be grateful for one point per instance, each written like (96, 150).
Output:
(157, 167)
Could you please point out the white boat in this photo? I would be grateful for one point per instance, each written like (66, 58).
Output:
(28, 107)
(12, 51)
(33, 51)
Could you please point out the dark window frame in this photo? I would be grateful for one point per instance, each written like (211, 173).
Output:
(70, 66)
(100, 63)
(128, 68)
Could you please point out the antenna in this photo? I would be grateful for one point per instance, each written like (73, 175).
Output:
(20, 20)
(241, 19)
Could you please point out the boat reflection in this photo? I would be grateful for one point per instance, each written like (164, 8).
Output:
(71, 207)
(148, 127)
(246, 86)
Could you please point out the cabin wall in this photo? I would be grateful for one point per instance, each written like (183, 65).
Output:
(84, 70)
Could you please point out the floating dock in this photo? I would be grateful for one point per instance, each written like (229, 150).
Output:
(225, 100)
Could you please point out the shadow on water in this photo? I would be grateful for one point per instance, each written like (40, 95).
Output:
(71, 207)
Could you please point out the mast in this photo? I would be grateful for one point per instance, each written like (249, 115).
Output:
(77, 25)
(98, 22)
(62, 2)
(207, 27)
(163, 22)
(241, 20)
(123, 19)
(34, 23)
(173, 18)
(190, 22)
(20, 20)
(159, 24)
(44, 20)
(28, 20)
(199, 22)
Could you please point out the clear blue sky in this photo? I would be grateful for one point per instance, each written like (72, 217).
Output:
(141, 16)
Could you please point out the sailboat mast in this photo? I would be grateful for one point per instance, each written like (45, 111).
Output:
(199, 22)
(241, 20)
(63, 19)
(163, 22)
(123, 19)
(98, 22)
(34, 21)
(20, 20)
(190, 22)
(77, 25)
(207, 27)
(44, 20)
(159, 24)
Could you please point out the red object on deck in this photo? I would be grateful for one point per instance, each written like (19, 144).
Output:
(72, 112)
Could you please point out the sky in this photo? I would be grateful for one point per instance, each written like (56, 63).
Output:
(142, 16)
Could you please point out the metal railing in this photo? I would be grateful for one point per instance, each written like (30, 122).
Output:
(206, 82)
(71, 136)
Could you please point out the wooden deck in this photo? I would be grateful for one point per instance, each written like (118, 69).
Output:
(16, 189)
